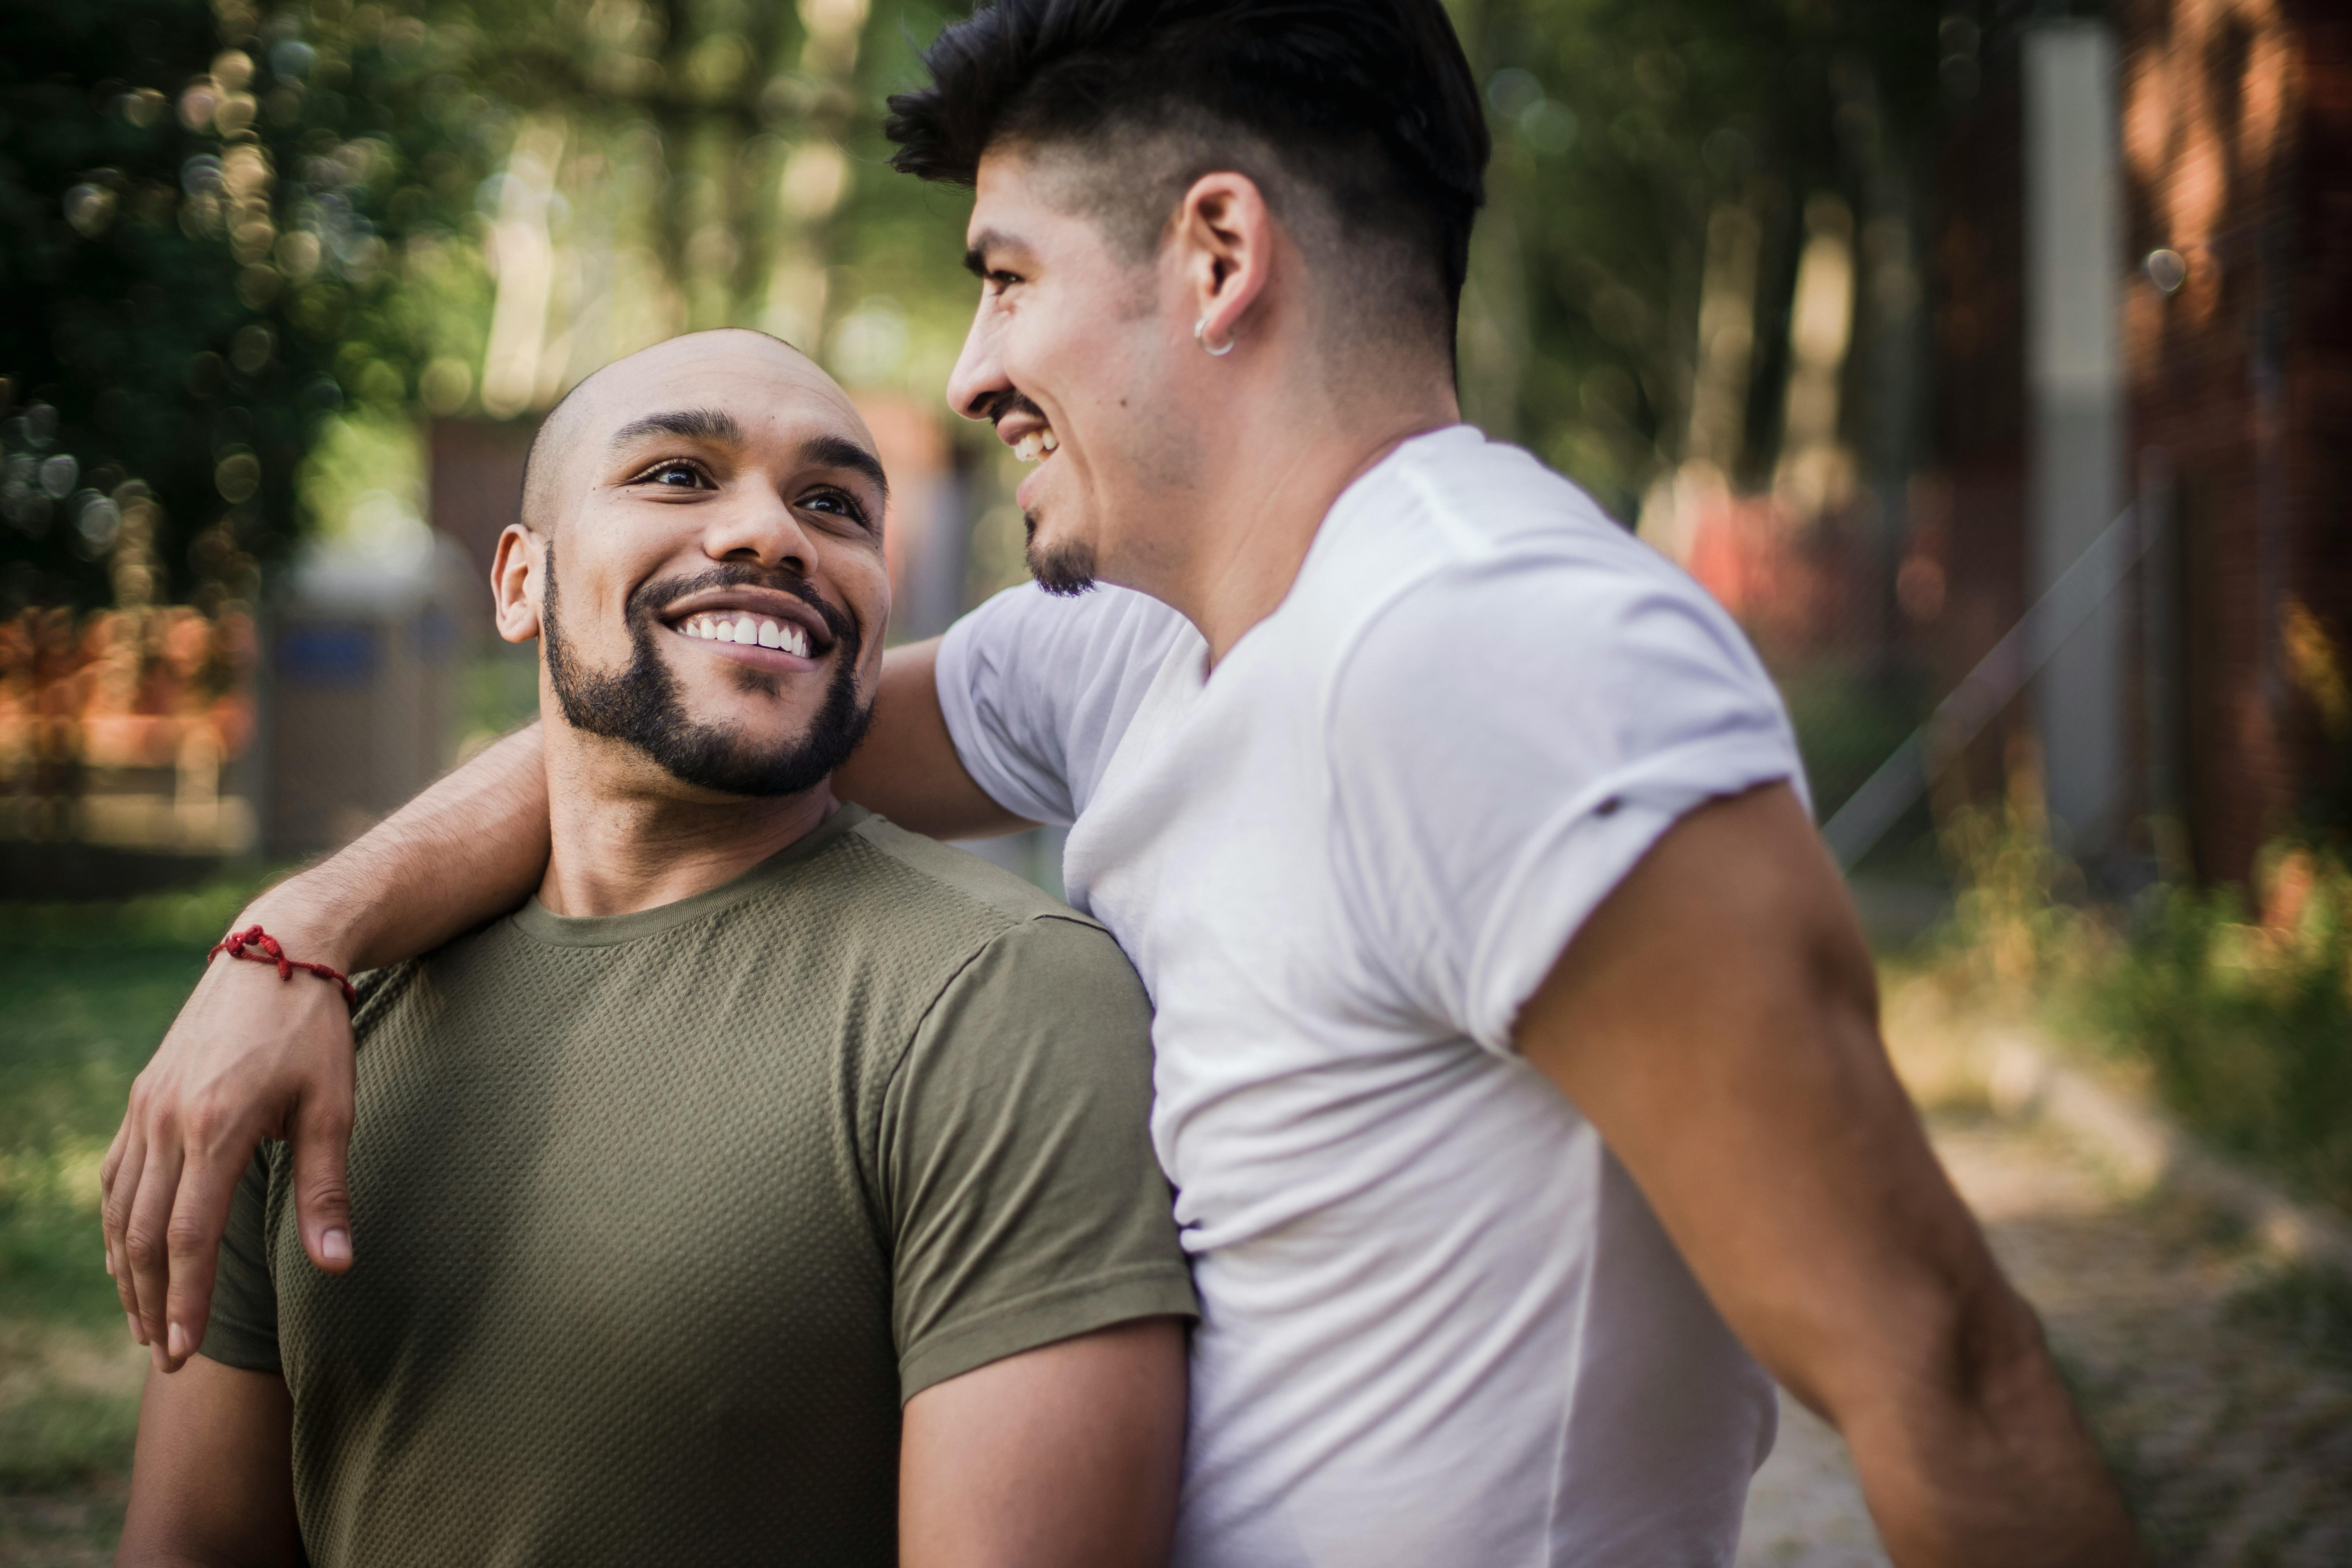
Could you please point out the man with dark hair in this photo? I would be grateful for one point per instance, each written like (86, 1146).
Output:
(1518, 1062)
(774, 1185)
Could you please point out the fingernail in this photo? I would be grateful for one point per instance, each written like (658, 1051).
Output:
(110, 1265)
(179, 1341)
(335, 1247)
(137, 1328)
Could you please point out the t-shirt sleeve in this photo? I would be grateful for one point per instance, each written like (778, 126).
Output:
(1037, 690)
(1026, 1202)
(242, 1331)
(1507, 740)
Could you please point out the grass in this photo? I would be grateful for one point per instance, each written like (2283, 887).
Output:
(89, 990)
(2239, 1018)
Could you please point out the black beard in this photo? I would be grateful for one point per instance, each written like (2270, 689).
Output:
(640, 706)
(1065, 570)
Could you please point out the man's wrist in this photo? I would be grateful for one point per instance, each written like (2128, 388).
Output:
(308, 922)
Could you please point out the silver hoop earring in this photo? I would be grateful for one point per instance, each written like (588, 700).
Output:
(1201, 336)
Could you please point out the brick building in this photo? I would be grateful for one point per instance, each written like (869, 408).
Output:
(2143, 271)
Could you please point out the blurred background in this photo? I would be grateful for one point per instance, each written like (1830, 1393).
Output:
(1991, 360)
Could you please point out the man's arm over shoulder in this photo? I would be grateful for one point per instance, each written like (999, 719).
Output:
(251, 1056)
(1041, 1290)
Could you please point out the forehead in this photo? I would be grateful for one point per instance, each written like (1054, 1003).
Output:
(1030, 196)
(771, 392)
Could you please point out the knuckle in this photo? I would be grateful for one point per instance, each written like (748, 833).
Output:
(209, 1121)
(326, 1191)
(145, 1249)
(186, 1235)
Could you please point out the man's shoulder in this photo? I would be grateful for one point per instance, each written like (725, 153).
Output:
(955, 879)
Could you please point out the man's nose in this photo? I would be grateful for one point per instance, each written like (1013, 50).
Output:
(761, 527)
(979, 376)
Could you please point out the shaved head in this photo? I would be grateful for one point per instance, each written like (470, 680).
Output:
(558, 433)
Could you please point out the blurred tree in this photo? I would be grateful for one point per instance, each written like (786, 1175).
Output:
(196, 204)
(1655, 158)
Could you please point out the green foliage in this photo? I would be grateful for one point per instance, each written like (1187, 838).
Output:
(2248, 1024)
(90, 990)
(1849, 717)
(1621, 126)
(198, 210)
(2244, 1026)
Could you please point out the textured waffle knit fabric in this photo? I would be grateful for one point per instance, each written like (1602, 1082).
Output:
(660, 1217)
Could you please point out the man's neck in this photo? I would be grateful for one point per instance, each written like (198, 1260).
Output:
(626, 837)
(1286, 456)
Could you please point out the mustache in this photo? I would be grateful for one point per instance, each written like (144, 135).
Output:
(647, 602)
(999, 406)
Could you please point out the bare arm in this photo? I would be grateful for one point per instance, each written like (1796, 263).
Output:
(906, 768)
(251, 1056)
(1716, 1019)
(213, 1481)
(1064, 1456)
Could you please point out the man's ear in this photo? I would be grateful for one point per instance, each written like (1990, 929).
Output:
(1225, 234)
(515, 582)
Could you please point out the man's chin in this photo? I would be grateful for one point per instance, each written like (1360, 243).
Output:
(1062, 565)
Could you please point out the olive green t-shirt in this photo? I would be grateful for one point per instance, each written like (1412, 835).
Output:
(659, 1218)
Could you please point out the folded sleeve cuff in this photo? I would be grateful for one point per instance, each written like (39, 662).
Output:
(1588, 847)
(1060, 1313)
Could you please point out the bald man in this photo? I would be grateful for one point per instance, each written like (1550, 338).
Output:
(773, 1187)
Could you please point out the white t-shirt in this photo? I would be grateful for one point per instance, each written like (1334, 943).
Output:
(1440, 1325)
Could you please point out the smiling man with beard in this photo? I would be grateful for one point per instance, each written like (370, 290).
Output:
(772, 1187)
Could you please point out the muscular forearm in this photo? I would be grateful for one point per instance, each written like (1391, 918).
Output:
(471, 848)
(1976, 1455)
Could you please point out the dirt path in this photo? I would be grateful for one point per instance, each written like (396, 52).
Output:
(2221, 1388)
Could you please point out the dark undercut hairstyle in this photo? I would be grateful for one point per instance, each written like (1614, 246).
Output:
(1359, 121)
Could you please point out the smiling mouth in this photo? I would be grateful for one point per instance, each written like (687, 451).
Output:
(759, 624)
(748, 631)
(1036, 445)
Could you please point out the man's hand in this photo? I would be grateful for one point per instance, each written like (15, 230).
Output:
(1064, 1456)
(1717, 1020)
(250, 1056)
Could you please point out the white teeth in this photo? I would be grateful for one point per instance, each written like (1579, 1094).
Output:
(783, 636)
(1032, 447)
(1053, 444)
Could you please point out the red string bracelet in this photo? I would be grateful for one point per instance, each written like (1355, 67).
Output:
(241, 943)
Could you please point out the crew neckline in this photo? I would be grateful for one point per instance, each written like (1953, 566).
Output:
(536, 921)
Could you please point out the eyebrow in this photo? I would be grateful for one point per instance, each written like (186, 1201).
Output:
(975, 260)
(694, 424)
(841, 452)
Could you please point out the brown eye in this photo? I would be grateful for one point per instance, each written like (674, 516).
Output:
(675, 476)
(838, 502)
